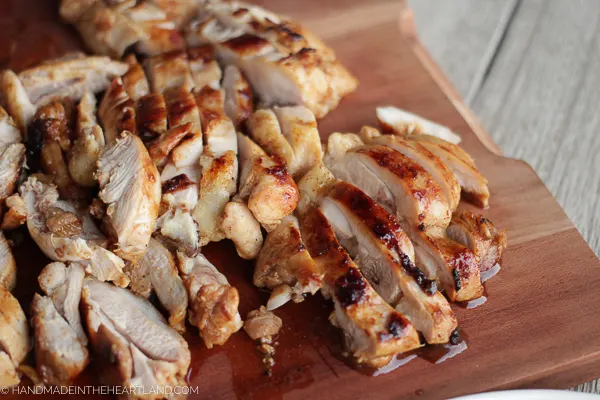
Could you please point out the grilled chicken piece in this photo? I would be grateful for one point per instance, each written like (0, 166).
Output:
(131, 339)
(12, 157)
(182, 109)
(161, 33)
(50, 129)
(178, 11)
(116, 112)
(72, 10)
(157, 272)
(385, 256)
(134, 79)
(67, 233)
(169, 71)
(240, 226)
(14, 338)
(472, 183)
(107, 31)
(69, 77)
(204, 67)
(373, 331)
(239, 101)
(8, 266)
(84, 154)
(339, 144)
(16, 214)
(289, 133)
(442, 175)
(481, 236)
(176, 224)
(269, 190)
(213, 302)
(262, 323)
(284, 260)
(63, 285)
(218, 129)
(160, 148)
(60, 355)
(151, 116)
(130, 187)
(17, 102)
(401, 122)
(405, 189)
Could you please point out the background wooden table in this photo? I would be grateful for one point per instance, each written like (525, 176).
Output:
(529, 69)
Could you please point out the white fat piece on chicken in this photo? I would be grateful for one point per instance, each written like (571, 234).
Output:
(157, 272)
(130, 187)
(107, 31)
(213, 303)
(270, 192)
(59, 354)
(131, 339)
(373, 331)
(385, 256)
(401, 122)
(8, 266)
(69, 77)
(283, 262)
(15, 341)
(17, 102)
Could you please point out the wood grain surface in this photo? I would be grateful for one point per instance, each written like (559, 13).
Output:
(539, 327)
(528, 70)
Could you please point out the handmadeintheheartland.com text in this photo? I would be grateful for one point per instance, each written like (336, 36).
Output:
(100, 390)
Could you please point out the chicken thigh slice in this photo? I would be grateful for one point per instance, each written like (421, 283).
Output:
(213, 303)
(134, 79)
(401, 122)
(15, 342)
(169, 71)
(17, 102)
(240, 226)
(8, 266)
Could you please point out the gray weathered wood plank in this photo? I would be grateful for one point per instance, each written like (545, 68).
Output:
(531, 76)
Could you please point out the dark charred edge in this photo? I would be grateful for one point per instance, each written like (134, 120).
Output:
(151, 108)
(177, 183)
(350, 288)
(246, 43)
(429, 286)
(455, 337)
(457, 280)
(396, 326)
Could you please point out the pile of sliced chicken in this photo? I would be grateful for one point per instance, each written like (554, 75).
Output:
(284, 63)
(122, 194)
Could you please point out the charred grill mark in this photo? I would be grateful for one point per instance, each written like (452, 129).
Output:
(350, 288)
(180, 104)
(395, 327)
(398, 164)
(204, 53)
(384, 226)
(457, 281)
(246, 44)
(177, 183)
(151, 116)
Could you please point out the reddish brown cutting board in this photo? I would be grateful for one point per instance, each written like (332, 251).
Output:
(541, 324)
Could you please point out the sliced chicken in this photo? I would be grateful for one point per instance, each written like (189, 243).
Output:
(60, 355)
(405, 189)
(472, 183)
(481, 236)
(63, 286)
(373, 331)
(269, 190)
(289, 133)
(50, 131)
(161, 33)
(169, 71)
(442, 175)
(161, 148)
(130, 187)
(401, 122)
(181, 109)
(157, 272)
(108, 31)
(385, 256)
(151, 116)
(72, 10)
(16, 213)
(12, 159)
(218, 129)
(134, 79)
(17, 102)
(65, 232)
(83, 155)
(338, 144)
(9, 133)
(116, 112)
(8, 266)
(69, 77)
(284, 261)
(240, 226)
(131, 339)
(14, 337)
(176, 224)
(204, 67)
(213, 302)
(178, 11)
(239, 101)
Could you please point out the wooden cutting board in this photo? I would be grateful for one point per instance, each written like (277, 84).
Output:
(541, 323)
